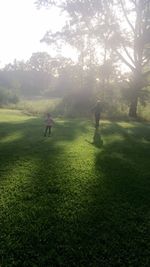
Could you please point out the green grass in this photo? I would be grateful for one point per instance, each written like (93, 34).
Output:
(65, 201)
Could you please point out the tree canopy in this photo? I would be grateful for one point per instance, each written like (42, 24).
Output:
(108, 31)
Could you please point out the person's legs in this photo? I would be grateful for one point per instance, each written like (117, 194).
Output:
(49, 128)
(46, 130)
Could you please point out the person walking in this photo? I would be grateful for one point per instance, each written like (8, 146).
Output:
(97, 113)
(49, 123)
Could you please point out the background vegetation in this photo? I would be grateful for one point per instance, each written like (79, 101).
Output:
(112, 44)
(59, 91)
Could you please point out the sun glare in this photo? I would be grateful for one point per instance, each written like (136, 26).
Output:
(22, 26)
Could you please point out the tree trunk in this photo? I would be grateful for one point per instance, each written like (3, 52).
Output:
(136, 87)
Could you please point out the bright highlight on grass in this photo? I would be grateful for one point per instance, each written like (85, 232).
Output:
(65, 201)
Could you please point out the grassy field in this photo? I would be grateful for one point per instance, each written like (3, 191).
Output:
(66, 201)
(37, 106)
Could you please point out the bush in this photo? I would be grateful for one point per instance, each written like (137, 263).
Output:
(76, 104)
(7, 97)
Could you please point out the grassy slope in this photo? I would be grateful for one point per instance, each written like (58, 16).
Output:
(66, 202)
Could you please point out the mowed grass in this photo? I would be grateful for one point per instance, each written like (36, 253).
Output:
(65, 201)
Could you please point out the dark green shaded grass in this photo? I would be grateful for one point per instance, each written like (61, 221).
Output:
(66, 201)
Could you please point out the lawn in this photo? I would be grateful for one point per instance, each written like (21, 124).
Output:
(66, 201)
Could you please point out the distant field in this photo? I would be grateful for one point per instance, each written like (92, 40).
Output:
(66, 201)
(58, 108)
(36, 107)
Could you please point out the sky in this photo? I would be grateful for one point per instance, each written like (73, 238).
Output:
(22, 26)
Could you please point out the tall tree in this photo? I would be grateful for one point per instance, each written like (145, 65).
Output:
(119, 27)
(86, 30)
(132, 44)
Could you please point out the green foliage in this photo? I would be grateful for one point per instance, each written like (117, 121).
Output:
(66, 202)
(144, 112)
(7, 97)
(119, 30)
(79, 105)
(103, 38)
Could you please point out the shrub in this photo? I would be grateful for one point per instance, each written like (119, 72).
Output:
(7, 97)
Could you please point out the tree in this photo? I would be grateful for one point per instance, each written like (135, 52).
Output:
(41, 75)
(7, 96)
(30, 78)
(87, 30)
(121, 28)
(40, 61)
(132, 45)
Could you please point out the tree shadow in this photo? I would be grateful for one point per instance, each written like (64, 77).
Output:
(53, 217)
(25, 140)
(120, 199)
(37, 193)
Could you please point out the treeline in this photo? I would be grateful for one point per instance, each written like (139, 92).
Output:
(112, 41)
(43, 76)
(105, 34)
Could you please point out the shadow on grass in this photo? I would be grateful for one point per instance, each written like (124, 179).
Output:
(35, 194)
(97, 139)
(114, 229)
(122, 209)
(20, 140)
(54, 219)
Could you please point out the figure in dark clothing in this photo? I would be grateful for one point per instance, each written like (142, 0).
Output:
(97, 112)
(49, 123)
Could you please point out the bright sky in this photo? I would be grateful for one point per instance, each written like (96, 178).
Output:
(21, 28)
